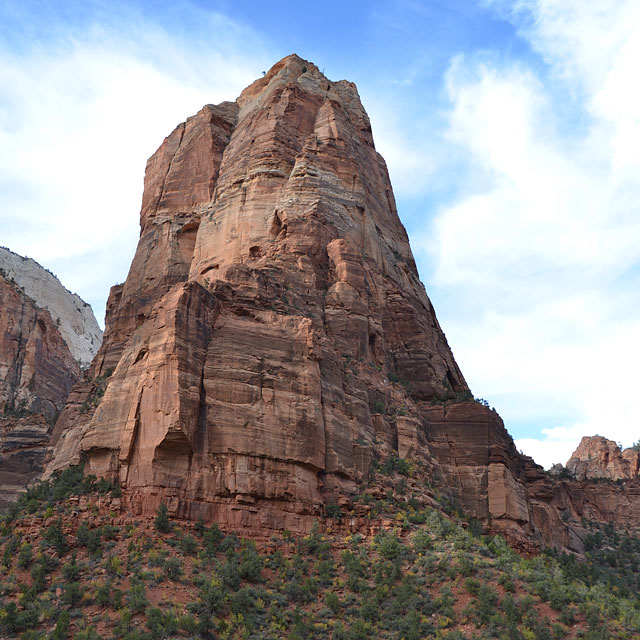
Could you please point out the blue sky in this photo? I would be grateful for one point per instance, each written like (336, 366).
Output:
(511, 131)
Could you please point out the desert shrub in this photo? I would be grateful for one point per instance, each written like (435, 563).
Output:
(211, 602)
(251, 563)
(300, 589)
(136, 596)
(103, 593)
(394, 464)
(25, 556)
(71, 570)
(61, 630)
(485, 604)
(72, 594)
(421, 541)
(109, 532)
(54, 536)
(88, 634)
(162, 522)
(188, 544)
(211, 540)
(333, 602)
(333, 510)
(161, 624)
(389, 547)
(173, 569)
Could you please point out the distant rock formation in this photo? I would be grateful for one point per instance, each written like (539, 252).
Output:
(596, 457)
(72, 316)
(37, 368)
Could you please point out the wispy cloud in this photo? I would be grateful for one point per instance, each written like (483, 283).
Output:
(542, 245)
(81, 109)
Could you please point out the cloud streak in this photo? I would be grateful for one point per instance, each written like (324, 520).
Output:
(80, 113)
(542, 244)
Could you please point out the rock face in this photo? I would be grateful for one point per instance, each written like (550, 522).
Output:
(273, 340)
(597, 457)
(37, 372)
(271, 311)
(72, 316)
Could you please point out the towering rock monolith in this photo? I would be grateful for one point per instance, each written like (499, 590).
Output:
(273, 341)
(272, 338)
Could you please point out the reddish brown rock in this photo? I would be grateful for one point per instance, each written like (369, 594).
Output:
(272, 295)
(37, 371)
(597, 457)
(273, 339)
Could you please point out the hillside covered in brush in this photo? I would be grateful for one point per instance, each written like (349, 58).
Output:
(72, 567)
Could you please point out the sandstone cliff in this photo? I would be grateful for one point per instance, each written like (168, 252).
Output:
(273, 341)
(597, 457)
(72, 316)
(270, 315)
(37, 372)
(46, 334)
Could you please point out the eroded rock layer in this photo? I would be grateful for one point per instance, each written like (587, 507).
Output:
(72, 316)
(273, 340)
(271, 312)
(37, 372)
(597, 457)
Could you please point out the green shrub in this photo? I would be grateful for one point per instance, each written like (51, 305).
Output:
(25, 557)
(61, 630)
(251, 563)
(72, 594)
(161, 624)
(71, 570)
(55, 537)
(173, 569)
(136, 596)
(333, 602)
(88, 634)
(188, 544)
(333, 510)
(162, 522)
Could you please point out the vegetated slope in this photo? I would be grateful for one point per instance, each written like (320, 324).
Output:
(73, 567)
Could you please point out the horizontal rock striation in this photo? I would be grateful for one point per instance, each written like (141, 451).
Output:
(37, 372)
(273, 341)
(271, 312)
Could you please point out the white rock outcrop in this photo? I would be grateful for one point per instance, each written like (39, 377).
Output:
(72, 315)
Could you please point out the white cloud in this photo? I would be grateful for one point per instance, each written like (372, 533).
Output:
(542, 245)
(79, 116)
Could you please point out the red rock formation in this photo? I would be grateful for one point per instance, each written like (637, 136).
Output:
(272, 296)
(37, 371)
(273, 339)
(597, 457)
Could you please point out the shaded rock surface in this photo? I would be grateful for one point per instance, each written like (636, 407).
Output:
(273, 341)
(37, 371)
